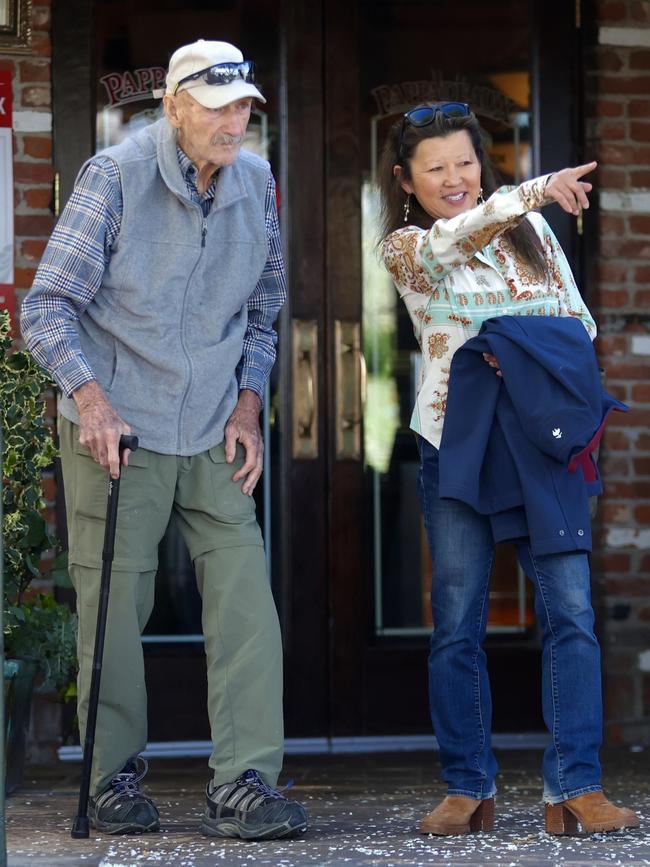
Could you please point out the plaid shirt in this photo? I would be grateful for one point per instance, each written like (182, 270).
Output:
(72, 267)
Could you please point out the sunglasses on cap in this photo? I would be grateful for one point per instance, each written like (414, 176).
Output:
(423, 115)
(222, 73)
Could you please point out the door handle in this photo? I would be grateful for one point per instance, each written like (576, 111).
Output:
(304, 376)
(351, 388)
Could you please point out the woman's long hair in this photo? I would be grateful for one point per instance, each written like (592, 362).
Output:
(522, 238)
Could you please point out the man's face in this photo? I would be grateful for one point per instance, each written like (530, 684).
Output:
(209, 135)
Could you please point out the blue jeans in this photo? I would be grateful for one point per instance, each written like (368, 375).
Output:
(462, 550)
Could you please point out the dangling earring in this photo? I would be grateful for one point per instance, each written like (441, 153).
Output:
(407, 207)
(480, 199)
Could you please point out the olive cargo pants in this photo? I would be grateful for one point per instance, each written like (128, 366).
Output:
(240, 624)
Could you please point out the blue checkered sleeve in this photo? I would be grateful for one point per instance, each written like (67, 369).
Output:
(264, 305)
(70, 273)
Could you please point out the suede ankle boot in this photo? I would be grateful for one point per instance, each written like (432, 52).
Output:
(457, 814)
(591, 812)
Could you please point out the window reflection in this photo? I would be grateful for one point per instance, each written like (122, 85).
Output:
(394, 79)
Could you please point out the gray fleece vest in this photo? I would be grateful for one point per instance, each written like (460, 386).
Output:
(164, 333)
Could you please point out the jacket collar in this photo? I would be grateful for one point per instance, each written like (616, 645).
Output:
(230, 184)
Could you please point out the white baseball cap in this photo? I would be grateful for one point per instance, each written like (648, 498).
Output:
(214, 73)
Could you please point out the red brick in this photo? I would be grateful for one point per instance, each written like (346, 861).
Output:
(612, 130)
(642, 275)
(627, 370)
(33, 249)
(640, 59)
(627, 490)
(609, 177)
(640, 130)
(641, 392)
(634, 418)
(625, 155)
(613, 297)
(38, 198)
(608, 59)
(36, 97)
(624, 84)
(33, 225)
(640, 178)
(608, 108)
(619, 249)
(39, 147)
(611, 272)
(612, 224)
(618, 390)
(642, 466)
(28, 173)
(638, 108)
(642, 515)
(34, 71)
(642, 443)
(607, 345)
(24, 277)
(615, 513)
(642, 298)
(48, 487)
(611, 465)
(640, 225)
(614, 561)
(615, 10)
(615, 440)
(41, 45)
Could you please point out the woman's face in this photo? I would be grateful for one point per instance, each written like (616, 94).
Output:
(445, 175)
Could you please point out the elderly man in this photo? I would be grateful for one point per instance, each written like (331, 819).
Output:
(153, 309)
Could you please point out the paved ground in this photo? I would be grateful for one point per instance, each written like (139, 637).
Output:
(364, 811)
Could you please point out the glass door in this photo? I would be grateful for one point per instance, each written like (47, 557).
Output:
(411, 51)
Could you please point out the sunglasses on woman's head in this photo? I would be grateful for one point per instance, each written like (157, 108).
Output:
(222, 73)
(423, 115)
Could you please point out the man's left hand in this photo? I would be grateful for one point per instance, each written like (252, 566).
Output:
(244, 427)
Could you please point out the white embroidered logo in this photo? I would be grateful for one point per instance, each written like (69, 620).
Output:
(557, 433)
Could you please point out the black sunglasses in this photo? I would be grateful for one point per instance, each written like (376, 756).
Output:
(222, 73)
(423, 115)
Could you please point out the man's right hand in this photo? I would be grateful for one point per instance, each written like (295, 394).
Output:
(100, 427)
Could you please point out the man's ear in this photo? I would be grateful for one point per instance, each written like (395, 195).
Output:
(398, 172)
(170, 106)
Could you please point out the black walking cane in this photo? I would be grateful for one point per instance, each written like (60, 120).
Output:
(80, 824)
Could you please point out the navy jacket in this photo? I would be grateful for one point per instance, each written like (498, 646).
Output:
(518, 447)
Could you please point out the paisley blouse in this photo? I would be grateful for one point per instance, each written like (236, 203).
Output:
(463, 271)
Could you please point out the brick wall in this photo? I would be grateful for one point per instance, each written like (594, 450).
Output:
(33, 173)
(618, 135)
(33, 222)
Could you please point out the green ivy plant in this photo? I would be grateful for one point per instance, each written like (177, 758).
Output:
(36, 626)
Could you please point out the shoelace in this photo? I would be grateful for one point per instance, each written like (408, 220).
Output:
(253, 779)
(126, 782)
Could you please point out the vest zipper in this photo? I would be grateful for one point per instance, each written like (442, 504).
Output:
(204, 232)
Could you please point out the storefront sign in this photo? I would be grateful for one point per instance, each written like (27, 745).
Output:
(132, 86)
(6, 196)
(485, 101)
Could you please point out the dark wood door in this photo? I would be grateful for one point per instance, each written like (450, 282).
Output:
(356, 567)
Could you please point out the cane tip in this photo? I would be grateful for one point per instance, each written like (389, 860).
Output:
(80, 828)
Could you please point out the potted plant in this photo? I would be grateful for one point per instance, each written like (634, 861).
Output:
(39, 632)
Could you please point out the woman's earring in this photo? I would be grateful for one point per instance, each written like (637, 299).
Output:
(480, 199)
(407, 207)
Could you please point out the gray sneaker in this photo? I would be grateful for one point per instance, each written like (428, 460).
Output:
(122, 808)
(250, 809)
